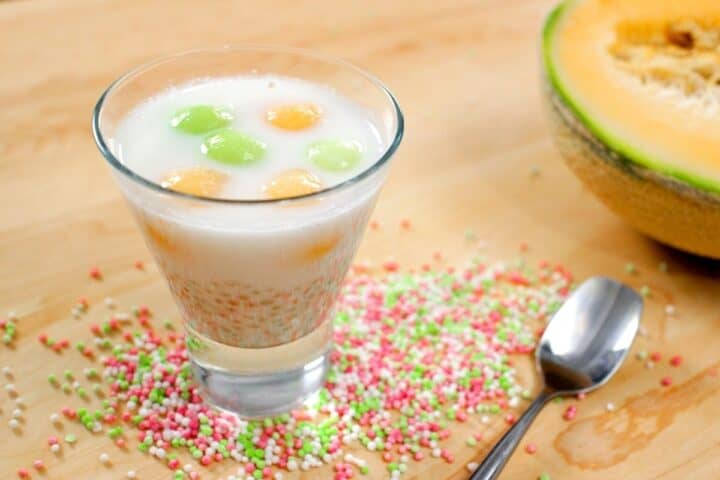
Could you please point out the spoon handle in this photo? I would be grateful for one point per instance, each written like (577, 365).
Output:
(493, 464)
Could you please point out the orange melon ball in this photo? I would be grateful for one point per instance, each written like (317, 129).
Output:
(293, 183)
(293, 116)
(200, 181)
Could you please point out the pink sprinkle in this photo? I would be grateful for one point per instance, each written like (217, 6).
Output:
(405, 224)
(23, 473)
(95, 273)
(52, 440)
(666, 381)
(43, 338)
(374, 225)
(417, 456)
(139, 265)
(267, 471)
(510, 418)
(570, 412)
(676, 360)
(206, 460)
(655, 356)
(531, 448)
(38, 464)
(249, 468)
(387, 457)
(391, 266)
(581, 396)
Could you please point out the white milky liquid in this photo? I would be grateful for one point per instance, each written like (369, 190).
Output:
(147, 144)
(245, 275)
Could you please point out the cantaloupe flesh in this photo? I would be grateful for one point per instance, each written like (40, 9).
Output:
(627, 115)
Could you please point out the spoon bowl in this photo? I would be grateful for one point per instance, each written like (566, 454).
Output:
(582, 347)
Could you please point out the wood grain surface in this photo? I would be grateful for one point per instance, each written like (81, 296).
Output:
(466, 74)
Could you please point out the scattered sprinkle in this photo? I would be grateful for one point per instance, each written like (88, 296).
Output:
(95, 273)
(645, 291)
(669, 310)
(530, 448)
(570, 412)
(666, 381)
(676, 360)
(630, 268)
(610, 407)
(104, 458)
(656, 356)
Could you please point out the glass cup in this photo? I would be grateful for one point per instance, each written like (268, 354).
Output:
(254, 280)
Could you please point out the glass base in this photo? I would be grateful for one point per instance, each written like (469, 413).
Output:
(263, 394)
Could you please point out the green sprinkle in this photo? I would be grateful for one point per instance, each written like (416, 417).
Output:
(70, 438)
(471, 442)
(232, 147)
(630, 268)
(335, 155)
(52, 379)
(68, 375)
(364, 469)
(544, 476)
(201, 119)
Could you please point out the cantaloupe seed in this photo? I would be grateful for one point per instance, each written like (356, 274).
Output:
(293, 183)
(200, 181)
(679, 56)
(294, 116)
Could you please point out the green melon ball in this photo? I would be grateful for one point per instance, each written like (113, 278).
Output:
(335, 155)
(233, 147)
(198, 119)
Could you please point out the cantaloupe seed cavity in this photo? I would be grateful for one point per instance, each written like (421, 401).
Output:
(680, 58)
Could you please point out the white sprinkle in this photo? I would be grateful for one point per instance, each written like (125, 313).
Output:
(649, 364)
(642, 331)
(472, 466)
(485, 419)
(304, 466)
(20, 402)
(292, 465)
(436, 452)
(131, 474)
(7, 371)
(14, 424)
(55, 448)
(109, 302)
(13, 316)
(610, 407)
(187, 468)
(17, 413)
(669, 310)
(104, 458)
(55, 418)
(10, 388)
(514, 402)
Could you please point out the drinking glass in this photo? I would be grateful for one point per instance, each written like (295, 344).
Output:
(254, 280)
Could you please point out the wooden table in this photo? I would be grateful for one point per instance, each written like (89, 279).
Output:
(466, 75)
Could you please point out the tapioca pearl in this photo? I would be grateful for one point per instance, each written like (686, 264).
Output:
(293, 117)
(233, 147)
(197, 119)
(335, 155)
(200, 181)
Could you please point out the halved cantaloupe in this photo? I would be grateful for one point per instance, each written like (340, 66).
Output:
(634, 94)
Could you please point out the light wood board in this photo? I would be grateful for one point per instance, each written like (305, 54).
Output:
(466, 75)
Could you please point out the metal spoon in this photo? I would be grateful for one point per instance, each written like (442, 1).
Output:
(582, 347)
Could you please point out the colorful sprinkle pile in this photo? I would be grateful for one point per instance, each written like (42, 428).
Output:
(413, 353)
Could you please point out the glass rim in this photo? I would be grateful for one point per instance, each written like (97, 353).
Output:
(131, 174)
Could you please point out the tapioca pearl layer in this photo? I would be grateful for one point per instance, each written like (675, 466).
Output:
(248, 315)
